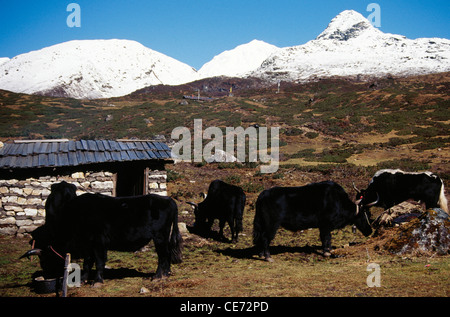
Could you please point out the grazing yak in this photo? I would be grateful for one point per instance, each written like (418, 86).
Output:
(225, 202)
(323, 205)
(395, 186)
(89, 225)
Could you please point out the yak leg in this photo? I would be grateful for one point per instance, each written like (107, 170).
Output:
(162, 250)
(100, 254)
(263, 244)
(100, 263)
(265, 251)
(88, 263)
(325, 237)
(234, 233)
(221, 226)
(234, 230)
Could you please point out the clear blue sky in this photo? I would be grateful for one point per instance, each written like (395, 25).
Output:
(194, 31)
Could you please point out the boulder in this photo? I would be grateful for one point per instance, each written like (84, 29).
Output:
(427, 234)
(221, 156)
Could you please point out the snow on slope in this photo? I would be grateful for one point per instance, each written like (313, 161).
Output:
(3, 60)
(238, 61)
(92, 69)
(351, 46)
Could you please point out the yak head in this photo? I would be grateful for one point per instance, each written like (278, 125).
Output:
(363, 202)
(201, 214)
(52, 261)
(366, 198)
(49, 240)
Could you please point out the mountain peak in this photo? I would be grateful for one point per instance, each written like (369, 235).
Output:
(346, 25)
(92, 69)
(238, 61)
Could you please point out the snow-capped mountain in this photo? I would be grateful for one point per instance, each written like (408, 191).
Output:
(351, 46)
(238, 61)
(92, 69)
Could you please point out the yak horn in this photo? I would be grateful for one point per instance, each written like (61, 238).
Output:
(355, 187)
(31, 252)
(192, 204)
(374, 202)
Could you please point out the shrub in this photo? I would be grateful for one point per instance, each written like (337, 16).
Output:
(311, 135)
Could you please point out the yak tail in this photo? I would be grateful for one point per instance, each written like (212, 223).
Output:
(176, 242)
(443, 200)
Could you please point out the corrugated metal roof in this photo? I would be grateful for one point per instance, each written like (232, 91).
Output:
(48, 153)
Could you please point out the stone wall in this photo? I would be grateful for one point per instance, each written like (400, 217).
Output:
(22, 202)
(157, 182)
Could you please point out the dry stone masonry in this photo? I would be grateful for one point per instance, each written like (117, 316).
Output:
(22, 202)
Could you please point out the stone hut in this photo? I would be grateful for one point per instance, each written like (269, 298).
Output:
(115, 168)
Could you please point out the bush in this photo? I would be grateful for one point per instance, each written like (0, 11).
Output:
(232, 179)
(173, 175)
(407, 165)
(251, 187)
(311, 135)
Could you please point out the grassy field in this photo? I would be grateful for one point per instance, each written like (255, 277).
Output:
(334, 129)
(212, 269)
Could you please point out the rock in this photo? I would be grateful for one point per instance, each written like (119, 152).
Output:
(46, 184)
(85, 184)
(21, 200)
(153, 186)
(12, 181)
(16, 190)
(8, 221)
(77, 175)
(34, 201)
(27, 191)
(29, 228)
(102, 185)
(25, 222)
(13, 208)
(143, 290)
(31, 212)
(8, 230)
(221, 156)
(426, 235)
(182, 227)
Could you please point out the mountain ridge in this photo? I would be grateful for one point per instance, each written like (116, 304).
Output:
(238, 61)
(91, 69)
(349, 47)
